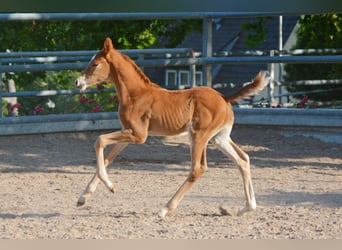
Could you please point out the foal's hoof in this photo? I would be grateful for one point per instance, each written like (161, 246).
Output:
(112, 189)
(79, 204)
(81, 201)
(245, 210)
(163, 212)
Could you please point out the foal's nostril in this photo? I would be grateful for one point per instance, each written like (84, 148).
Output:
(76, 82)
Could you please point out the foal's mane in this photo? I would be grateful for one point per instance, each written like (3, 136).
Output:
(139, 71)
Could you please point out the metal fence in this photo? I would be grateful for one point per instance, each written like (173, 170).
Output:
(44, 61)
(74, 60)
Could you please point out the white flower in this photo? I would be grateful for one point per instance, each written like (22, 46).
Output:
(51, 104)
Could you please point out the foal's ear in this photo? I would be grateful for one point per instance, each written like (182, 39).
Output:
(108, 45)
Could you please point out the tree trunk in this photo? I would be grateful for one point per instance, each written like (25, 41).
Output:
(11, 100)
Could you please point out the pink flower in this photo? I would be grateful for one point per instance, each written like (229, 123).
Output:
(14, 106)
(99, 86)
(90, 101)
(38, 109)
(82, 99)
(304, 100)
(96, 108)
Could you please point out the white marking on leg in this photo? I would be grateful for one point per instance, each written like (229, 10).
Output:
(101, 169)
(163, 212)
(90, 189)
(229, 148)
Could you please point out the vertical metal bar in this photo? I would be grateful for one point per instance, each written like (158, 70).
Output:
(192, 70)
(280, 64)
(280, 33)
(1, 93)
(207, 49)
(271, 85)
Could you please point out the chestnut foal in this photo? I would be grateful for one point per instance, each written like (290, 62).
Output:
(147, 109)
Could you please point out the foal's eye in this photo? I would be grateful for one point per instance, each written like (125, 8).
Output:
(95, 65)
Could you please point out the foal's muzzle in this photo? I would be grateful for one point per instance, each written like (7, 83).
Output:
(81, 83)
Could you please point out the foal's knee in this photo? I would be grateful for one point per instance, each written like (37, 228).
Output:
(98, 144)
(140, 139)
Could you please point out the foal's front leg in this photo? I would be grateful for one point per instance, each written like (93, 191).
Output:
(101, 168)
(110, 155)
(125, 136)
(120, 139)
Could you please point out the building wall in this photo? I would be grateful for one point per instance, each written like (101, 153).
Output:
(224, 32)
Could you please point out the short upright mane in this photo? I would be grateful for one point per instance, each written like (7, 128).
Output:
(137, 69)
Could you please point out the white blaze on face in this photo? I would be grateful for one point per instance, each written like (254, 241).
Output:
(81, 82)
(92, 59)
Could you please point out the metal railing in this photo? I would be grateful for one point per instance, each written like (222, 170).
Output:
(36, 61)
(74, 60)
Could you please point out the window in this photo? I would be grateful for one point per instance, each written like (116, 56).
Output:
(199, 78)
(183, 79)
(171, 79)
(180, 79)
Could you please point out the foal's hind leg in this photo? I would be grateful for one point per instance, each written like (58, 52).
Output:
(199, 166)
(229, 148)
(111, 153)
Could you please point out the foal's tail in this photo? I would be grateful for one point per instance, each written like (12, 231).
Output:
(257, 84)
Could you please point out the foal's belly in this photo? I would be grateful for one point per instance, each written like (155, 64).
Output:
(160, 132)
(166, 130)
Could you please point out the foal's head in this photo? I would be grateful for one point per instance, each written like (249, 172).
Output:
(98, 69)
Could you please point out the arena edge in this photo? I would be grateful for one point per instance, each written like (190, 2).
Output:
(295, 118)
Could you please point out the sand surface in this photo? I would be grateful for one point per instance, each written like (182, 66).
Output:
(297, 181)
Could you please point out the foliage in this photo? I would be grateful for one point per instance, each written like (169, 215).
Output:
(257, 31)
(317, 32)
(79, 35)
(4, 108)
(175, 32)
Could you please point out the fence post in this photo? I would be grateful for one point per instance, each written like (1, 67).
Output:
(207, 49)
(0, 92)
(280, 67)
(271, 84)
(192, 70)
(12, 100)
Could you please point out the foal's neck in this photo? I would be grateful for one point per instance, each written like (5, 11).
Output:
(128, 78)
